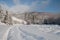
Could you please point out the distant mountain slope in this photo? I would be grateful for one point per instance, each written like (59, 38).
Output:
(36, 17)
(30, 17)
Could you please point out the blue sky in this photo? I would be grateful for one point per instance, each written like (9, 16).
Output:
(38, 5)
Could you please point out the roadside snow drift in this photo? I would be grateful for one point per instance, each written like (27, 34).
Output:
(33, 32)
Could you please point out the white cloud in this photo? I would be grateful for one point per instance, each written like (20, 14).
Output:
(4, 6)
(20, 8)
(24, 8)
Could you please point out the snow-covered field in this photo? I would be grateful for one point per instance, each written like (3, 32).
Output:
(30, 32)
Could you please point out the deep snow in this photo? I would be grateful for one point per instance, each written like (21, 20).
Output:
(33, 32)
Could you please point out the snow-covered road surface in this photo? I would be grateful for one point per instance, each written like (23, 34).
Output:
(33, 32)
(3, 29)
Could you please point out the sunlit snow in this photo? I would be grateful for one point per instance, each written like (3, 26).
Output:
(32, 32)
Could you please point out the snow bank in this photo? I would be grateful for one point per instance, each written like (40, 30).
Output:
(33, 32)
(2, 23)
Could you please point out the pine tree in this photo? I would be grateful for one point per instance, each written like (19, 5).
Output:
(6, 17)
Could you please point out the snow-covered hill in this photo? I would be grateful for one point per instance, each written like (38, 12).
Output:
(18, 21)
(33, 32)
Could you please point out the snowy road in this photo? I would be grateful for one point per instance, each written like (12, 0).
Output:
(3, 29)
(31, 32)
